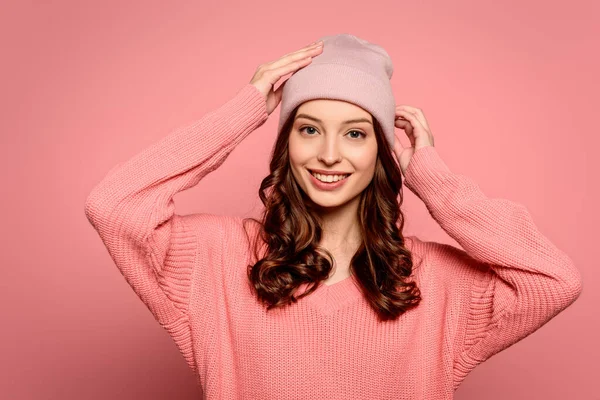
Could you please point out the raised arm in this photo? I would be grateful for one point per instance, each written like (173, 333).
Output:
(132, 208)
(133, 211)
(510, 279)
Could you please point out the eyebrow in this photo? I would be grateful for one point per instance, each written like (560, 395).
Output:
(350, 121)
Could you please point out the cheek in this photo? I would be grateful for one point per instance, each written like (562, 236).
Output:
(366, 176)
(299, 155)
(297, 161)
(365, 162)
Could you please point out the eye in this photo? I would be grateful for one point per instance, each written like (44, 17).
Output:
(306, 127)
(359, 132)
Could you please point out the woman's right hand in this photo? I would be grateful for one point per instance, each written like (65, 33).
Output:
(268, 74)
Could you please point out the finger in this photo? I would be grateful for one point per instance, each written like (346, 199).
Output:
(307, 47)
(408, 129)
(398, 148)
(416, 112)
(414, 121)
(295, 56)
(274, 75)
(279, 92)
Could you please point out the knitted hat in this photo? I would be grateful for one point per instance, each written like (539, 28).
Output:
(349, 69)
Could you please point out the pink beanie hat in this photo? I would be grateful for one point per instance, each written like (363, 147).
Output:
(349, 69)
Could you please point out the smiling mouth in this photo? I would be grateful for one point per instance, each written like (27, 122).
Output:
(329, 178)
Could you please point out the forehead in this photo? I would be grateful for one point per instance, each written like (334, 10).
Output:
(332, 110)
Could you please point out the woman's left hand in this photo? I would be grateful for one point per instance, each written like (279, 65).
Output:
(414, 124)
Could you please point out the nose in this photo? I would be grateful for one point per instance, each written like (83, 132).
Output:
(329, 152)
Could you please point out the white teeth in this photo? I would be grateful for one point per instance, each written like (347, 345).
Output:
(329, 178)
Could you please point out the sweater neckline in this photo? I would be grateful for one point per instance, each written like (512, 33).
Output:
(327, 299)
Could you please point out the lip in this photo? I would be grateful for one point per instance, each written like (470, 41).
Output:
(326, 186)
(324, 172)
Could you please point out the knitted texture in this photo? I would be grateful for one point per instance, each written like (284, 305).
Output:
(350, 69)
(190, 271)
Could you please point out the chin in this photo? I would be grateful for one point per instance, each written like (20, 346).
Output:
(329, 200)
(324, 204)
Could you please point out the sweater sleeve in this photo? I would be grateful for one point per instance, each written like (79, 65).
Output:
(133, 211)
(509, 280)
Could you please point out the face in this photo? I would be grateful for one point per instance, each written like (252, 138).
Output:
(333, 136)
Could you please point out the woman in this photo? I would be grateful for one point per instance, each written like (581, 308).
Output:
(324, 298)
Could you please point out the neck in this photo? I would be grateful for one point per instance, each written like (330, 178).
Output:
(340, 227)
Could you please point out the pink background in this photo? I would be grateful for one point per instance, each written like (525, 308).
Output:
(509, 90)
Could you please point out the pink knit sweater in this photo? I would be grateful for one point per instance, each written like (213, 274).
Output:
(190, 271)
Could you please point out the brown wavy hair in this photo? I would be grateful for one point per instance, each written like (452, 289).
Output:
(291, 233)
